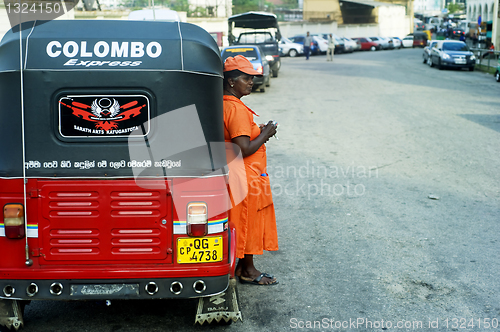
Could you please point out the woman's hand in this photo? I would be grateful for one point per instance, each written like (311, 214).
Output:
(268, 130)
(249, 147)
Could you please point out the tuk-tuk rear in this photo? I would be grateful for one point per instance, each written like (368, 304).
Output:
(113, 180)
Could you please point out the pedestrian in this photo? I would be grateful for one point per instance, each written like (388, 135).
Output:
(308, 40)
(474, 39)
(462, 37)
(491, 51)
(331, 48)
(253, 217)
(449, 32)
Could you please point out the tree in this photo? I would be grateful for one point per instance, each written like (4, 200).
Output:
(455, 7)
(180, 5)
(243, 6)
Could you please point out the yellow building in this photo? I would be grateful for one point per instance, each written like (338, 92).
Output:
(322, 10)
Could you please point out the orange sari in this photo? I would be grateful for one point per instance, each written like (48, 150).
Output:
(253, 213)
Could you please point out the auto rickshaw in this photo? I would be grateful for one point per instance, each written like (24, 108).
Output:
(113, 177)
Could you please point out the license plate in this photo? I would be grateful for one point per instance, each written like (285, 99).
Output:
(460, 61)
(199, 250)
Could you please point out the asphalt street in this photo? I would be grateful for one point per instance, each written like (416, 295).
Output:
(387, 191)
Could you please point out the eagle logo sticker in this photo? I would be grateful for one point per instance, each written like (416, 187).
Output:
(103, 116)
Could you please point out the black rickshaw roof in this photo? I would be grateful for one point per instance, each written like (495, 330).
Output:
(184, 48)
(254, 20)
(162, 81)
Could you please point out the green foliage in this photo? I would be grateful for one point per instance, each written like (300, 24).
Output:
(243, 6)
(180, 5)
(455, 7)
(141, 4)
(290, 3)
(136, 4)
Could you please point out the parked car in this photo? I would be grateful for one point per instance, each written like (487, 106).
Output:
(340, 46)
(427, 51)
(299, 39)
(351, 45)
(358, 43)
(451, 53)
(368, 44)
(396, 42)
(389, 41)
(255, 56)
(382, 42)
(407, 41)
(322, 43)
(287, 47)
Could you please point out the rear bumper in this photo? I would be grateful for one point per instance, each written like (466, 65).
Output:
(113, 289)
(258, 80)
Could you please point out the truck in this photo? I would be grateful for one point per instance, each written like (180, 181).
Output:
(261, 29)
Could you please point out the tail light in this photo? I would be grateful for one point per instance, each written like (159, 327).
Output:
(13, 219)
(260, 70)
(197, 219)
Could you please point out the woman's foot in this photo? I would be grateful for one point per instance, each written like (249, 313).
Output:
(263, 279)
(249, 274)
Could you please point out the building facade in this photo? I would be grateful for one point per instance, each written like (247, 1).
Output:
(485, 8)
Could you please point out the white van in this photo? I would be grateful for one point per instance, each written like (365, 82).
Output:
(435, 22)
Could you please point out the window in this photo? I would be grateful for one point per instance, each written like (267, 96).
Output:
(247, 52)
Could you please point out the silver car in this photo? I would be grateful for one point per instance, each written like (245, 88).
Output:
(384, 44)
(351, 45)
(287, 47)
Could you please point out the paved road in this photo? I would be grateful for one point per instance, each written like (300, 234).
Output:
(386, 184)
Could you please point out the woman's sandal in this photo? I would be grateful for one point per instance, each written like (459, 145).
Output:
(257, 280)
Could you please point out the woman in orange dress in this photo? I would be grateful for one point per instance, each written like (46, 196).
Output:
(253, 214)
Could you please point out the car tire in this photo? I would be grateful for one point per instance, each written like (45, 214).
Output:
(268, 83)
(471, 68)
(497, 76)
(439, 66)
(293, 53)
(425, 60)
(275, 73)
(373, 48)
(262, 88)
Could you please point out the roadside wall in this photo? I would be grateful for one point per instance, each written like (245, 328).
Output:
(358, 30)
(290, 29)
(388, 26)
(393, 22)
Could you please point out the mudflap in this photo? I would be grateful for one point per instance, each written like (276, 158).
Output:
(11, 314)
(221, 307)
